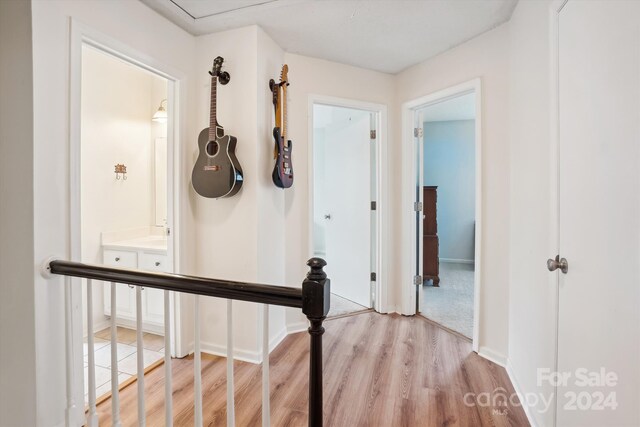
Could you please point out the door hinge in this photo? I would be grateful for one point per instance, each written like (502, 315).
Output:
(374, 205)
(372, 134)
(417, 280)
(417, 132)
(373, 277)
(417, 206)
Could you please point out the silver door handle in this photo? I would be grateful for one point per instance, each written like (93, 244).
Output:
(558, 263)
(327, 216)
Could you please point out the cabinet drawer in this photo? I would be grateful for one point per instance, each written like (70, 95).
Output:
(154, 262)
(123, 259)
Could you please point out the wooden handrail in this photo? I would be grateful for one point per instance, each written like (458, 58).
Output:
(264, 294)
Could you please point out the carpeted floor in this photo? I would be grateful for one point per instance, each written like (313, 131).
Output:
(451, 304)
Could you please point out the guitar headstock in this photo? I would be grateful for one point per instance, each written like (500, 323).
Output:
(216, 71)
(284, 75)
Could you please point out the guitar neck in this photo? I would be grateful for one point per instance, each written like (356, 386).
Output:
(278, 107)
(213, 120)
(284, 113)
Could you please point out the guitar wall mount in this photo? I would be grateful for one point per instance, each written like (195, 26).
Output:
(223, 77)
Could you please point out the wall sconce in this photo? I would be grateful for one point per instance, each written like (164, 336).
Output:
(121, 169)
(160, 115)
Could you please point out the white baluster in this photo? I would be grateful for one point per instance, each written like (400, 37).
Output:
(115, 398)
(266, 400)
(92, 416)
(197, 373)
(68, 320)
(140, 356)
(168, 388)
(231, 411)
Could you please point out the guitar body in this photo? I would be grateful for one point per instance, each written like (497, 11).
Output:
(217, 172)
(282, 174)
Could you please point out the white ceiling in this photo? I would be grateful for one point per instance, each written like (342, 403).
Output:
(459, 108)
(382, 35)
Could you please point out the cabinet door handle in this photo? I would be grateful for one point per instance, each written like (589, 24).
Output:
(131, 286)
(157, 263)
(117, 258)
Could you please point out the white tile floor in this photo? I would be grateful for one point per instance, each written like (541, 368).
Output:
(127, 358)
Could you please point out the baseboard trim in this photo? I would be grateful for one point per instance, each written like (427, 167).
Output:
(520, 393)
(493, 356)
(99, 326)
(131, 324)
(277, 339)
(297, 327)
(457, 261)
(250, 356)
(238, 354)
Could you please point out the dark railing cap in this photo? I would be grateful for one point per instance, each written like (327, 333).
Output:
(316, 272)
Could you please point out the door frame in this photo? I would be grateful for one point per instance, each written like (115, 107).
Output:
(380, 290)
(81, 34)
(409, 173)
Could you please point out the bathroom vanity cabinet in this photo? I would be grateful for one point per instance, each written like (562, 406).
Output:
(150, 254)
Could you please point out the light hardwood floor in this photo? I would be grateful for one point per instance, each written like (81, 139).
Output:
(380, 370)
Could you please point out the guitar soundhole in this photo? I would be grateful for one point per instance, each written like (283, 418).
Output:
(212, 148)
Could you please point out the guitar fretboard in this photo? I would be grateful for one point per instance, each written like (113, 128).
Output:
(284, 114)
(213, 121)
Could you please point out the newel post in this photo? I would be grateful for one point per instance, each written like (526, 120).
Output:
(315, 305)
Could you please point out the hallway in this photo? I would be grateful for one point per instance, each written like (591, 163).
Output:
(380, 370)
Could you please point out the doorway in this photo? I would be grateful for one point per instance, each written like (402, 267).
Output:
(442, 183)
(344, 226)
(124, 193)
(447, 240)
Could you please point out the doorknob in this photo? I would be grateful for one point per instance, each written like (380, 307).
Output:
(327, 216)
(558, 263)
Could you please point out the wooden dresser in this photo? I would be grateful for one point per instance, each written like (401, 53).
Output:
(430, 258)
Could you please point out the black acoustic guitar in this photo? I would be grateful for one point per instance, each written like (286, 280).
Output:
(283, 170)
(217, 172)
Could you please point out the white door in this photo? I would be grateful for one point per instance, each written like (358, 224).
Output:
(344, 208)
(599, 296)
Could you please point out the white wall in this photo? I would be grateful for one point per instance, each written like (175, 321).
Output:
(17, 309)
(311, 76)
(270, 212)
(532, 301)
(167, 45)
(242, 237)
(487, 57)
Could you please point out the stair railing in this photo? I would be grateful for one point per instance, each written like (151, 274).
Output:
(312, 298)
